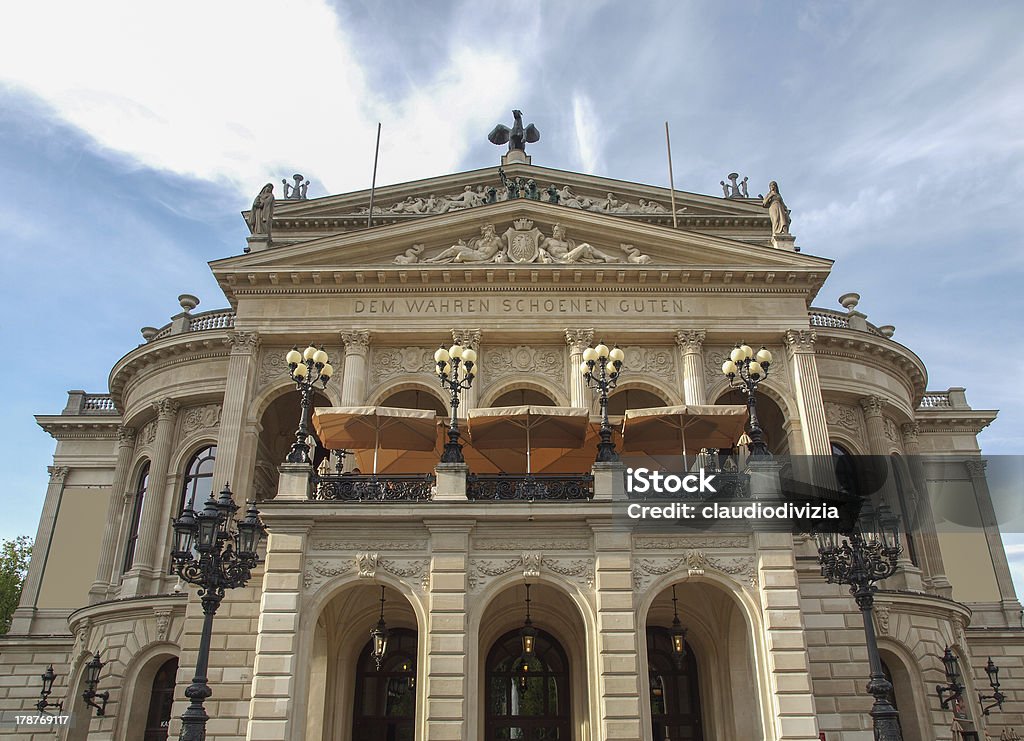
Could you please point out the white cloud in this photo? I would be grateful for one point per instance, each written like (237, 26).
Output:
(589, 133)
(246, 92)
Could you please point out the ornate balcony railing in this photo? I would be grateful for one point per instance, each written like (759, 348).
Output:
(355, 487)
(832, 319)
(530, 488)
(222, 319)
(728, 485)
(935, 400)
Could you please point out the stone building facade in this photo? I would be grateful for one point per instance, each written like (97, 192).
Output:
(529, 282)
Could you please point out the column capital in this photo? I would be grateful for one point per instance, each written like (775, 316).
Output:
(800, 340)
(872, 405)
(911, 432)
(244, 343)
(579, 339)
(690, 340)
(467, 337)
(126, 436)
(356, 341)
(976, 467)
(57, 473)
(166, 409)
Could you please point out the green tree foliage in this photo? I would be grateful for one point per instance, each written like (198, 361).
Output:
(14, 558)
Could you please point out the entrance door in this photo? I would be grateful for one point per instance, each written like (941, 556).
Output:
(385, 708)
(158, 719)
(675, 700)
(527, 699)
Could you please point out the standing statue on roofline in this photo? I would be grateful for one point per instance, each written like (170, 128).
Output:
(777, 210)
(262, 212)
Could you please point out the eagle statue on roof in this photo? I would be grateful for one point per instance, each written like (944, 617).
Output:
(517, 137)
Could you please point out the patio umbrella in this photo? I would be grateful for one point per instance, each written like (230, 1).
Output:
(363, 428)
(529, 427)
(683, 428)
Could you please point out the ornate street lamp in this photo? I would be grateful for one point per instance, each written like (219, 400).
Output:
(92, 678)
(997, 697)
(48, 676)
(600, 369)
(455, 382)
(859, 559)
(215, 552)
(678, 633)
(379, 633)
(307, 369)
(953, 689)
(745, 370)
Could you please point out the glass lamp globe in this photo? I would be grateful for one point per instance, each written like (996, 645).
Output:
(590, 355)
(294, 357)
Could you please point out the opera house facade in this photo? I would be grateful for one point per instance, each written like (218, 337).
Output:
(529, 268)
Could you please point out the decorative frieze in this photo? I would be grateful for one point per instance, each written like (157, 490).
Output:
(367, 545)
(540, 361)
(272, 367)
(515, 544)
(317, 572)
(891, 431)
(742, 568)
(195, 419)
(388, 362)
(483, 570)
(842, 415)
(674, 543)
(652, 361)
(147, 436)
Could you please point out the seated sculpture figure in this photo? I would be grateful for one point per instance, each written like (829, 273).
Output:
(557, 248)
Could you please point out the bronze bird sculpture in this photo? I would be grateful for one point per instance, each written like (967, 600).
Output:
(516, 137)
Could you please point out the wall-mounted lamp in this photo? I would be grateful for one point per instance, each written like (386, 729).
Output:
(48, 677)
(92, 678)
(954, 686)
(997, 697)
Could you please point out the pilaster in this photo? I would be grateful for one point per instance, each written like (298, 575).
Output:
(230, 467)
(353, 384)
(136, 580)
(115, 513)
(578, 340)
(447, 669)
(620, 689)
(1011, 607)
(811, 408)
(469, 338)
(21, 622)
(691, 343)
(792, 701)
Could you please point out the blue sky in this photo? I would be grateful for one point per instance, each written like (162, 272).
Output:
(132, 134)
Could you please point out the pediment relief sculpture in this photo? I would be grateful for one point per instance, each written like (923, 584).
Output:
(471, 196)
(523, 243)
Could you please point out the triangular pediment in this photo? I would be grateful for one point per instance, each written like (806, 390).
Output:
(517, 236)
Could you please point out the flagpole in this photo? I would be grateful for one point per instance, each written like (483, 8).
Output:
(671, 180)
(373, 183)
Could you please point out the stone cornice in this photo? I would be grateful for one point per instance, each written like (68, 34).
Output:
(879, 352)
(119, 609)
(970, 421)
(61, 427)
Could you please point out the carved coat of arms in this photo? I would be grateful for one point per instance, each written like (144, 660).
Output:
(522, 241)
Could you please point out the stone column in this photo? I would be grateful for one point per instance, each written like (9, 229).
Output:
(353, 384)
(813, 426)
(873, 406)
(930, 551)
(146, 557)
(272, 710)
(621, 688)
(691, 344)
(21, 622)
(469, 338)
(1001, 567)
(578, 340)
(115, 510)
(791, 701)
(237, 395)
(448, 690)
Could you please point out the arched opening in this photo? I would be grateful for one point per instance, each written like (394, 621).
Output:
(348, 699)
(277, 433)
(905, 682)
(524, 397)
(675, 697)
(846, 471)
(161, 698)
(713, 693)
(415, 399)
(528, 697)
(198, 482)
(385, 706)
(773, 421)
(508, 707)
(633, 398)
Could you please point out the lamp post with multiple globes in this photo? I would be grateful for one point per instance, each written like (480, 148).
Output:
(456, 368)
(600, 368)
(215, 552)
(307, 369)
(745, 370)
